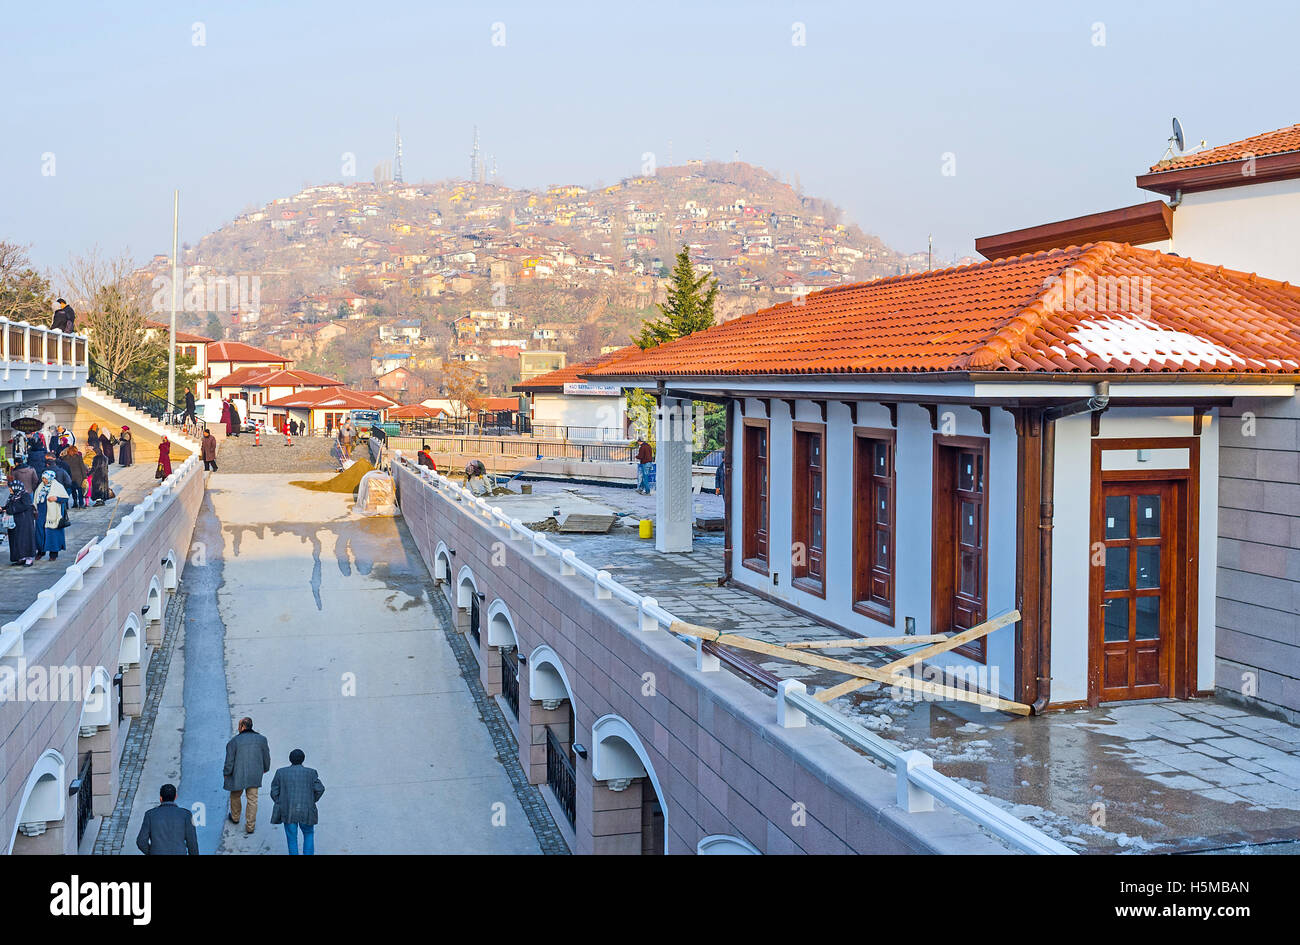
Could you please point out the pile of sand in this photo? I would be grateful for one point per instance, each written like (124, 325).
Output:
(346, 481)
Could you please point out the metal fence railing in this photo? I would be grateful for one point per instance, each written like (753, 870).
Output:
(510, 680)
(516, 447)
(561, 777)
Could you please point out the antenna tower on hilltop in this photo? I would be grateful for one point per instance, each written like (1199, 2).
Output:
(397, 164)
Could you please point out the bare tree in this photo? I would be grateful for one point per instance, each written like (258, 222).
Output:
(112, 302)
(462, 386)
(24, 292)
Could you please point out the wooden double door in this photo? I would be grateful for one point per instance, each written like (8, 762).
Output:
(1142, 591)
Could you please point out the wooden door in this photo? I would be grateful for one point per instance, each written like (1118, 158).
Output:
(1134, 595)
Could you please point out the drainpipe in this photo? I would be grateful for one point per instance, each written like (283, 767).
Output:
(1046, 514)
(726, 496)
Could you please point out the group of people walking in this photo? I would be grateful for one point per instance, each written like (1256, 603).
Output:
(295, 789)
(51, 476)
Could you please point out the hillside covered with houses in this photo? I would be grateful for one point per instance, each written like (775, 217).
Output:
(388, 285)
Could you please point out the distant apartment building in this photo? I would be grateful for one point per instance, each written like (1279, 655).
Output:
(403, 332)
(534, 363)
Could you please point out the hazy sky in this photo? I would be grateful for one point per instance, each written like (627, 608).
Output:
(1042, 121)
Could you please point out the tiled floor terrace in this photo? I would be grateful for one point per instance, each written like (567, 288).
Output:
(1162, 776)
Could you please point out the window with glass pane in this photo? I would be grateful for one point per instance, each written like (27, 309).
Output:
(755, 499)
(873, 498)
(961, 547)
(808, 507)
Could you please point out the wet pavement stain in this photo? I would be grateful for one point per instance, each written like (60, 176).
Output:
(207, 708)
(361, 545)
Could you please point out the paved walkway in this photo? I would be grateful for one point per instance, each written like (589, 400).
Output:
(328, 639)
(21, 585)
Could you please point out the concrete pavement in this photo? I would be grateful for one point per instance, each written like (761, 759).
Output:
(330, 643)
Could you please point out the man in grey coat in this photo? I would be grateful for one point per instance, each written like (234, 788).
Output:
(295, 790)
(248, 758)
(168, 830)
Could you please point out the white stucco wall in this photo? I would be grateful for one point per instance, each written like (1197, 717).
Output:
(1072, 534)
(606, 413)
(1254, 228)
(914, 462)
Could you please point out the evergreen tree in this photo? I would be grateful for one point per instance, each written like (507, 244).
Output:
(689, 307)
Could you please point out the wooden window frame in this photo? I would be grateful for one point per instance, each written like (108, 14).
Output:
(801, 509)
(943, 539)
(750, 537)
(865, 526)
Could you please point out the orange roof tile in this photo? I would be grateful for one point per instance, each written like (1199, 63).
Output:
(414, 412)
(238, 351)
(1270, 142)
(332, 398)
(255, 376)
(1053, 311)
(182, 337)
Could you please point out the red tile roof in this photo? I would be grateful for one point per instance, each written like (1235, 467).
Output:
(415, 412)
(182, 337)
(1054, 311)
(255, 376)
(1270, 142)
(572, 374)
(332, 398)
(238, 351)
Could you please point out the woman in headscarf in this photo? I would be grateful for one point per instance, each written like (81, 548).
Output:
(22, 524)
(164, 459)
(79, 473)
(226, 411)
(125, 448)
(51, 503)
(99, 488)
(106, 446)
(36, 453)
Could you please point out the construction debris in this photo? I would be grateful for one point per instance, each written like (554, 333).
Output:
(862, 676)
(346, 481)
(586, 523)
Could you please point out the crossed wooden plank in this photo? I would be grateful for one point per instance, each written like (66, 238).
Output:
(865, 675)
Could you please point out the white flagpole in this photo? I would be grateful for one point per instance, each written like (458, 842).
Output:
(171, 338)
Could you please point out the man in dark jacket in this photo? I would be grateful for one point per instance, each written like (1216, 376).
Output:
(295, 790)
(208, 451)
(65, 319)
(77, 470)
(189, 408)
(61, 471)
(248, 758)
(168, 830)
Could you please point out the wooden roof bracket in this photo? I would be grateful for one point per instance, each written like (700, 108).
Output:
(1197, 415)
(933, 411)
(892, 407)
(985, 420)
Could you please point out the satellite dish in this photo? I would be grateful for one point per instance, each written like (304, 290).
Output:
(1178, 134)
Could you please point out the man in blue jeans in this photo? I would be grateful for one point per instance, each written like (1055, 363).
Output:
(295, 789)
(645, 457)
